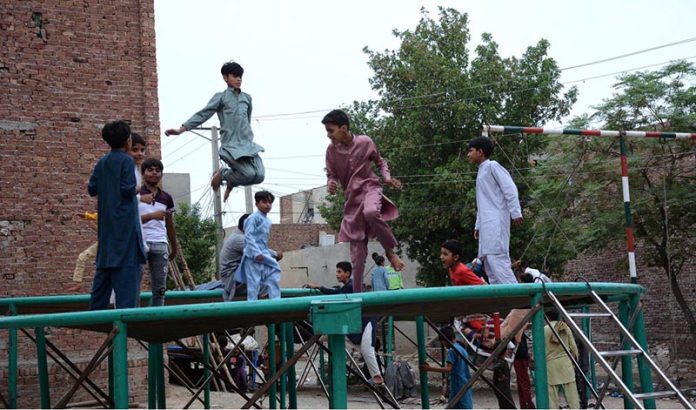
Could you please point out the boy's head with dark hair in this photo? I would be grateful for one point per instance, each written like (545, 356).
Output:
(336, 117)
(137, 149)
(242, 219)
(480, 149)
(264, 201)
(232, 68)
(264, 195)
(152, 163)
(337, 125)
(232, 75)
(152, 172)
(552, 314)
(116, 134)
(450, 253)
(343, 271)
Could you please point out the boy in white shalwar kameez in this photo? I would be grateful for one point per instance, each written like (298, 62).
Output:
(497, 203)
(259, 269)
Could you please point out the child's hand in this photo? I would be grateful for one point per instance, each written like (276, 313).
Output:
(147, 198)
(174, 131)
(158, 214)
(73, 287)
(279, 255)
(476, 234)
(332, 187)
(518, 221)
(259, 258)
(394, 183)
(423, 367)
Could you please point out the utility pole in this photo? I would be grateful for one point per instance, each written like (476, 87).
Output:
(219, 229)
(249, 200)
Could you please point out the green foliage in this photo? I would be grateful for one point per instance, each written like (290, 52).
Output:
(197, 238)
(435, 96)
(662, 176)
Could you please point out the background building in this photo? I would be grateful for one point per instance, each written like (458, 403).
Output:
(66, 69)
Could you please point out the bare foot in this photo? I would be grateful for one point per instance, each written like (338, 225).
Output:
(228, 191)
(217, 180)
(394, 260)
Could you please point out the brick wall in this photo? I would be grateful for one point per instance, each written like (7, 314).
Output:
(66, 68)
(291, 237)
(664, 320)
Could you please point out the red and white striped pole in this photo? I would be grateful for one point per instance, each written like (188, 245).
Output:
(624, 166)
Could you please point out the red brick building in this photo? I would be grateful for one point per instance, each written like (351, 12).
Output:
(66, 68)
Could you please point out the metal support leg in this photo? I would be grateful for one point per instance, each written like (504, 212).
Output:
(292, 376)
(283, 377)
(626, 361)
(206, 371)
(640, 335)
(338, 382)
(420, 334)
(44, 391)
(389, 342)
(120, 358)
(12, 363)
(272, 364)
(540, 376)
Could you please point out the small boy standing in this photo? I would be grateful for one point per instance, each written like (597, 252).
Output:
(496, 203)
(258, 268)
(237, 147)
(366, 211)
(120, 251)
(158, 227)
(457, 367)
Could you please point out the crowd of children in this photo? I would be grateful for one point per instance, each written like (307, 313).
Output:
(135, 226)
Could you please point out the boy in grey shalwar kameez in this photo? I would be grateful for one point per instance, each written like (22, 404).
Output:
(237, 147)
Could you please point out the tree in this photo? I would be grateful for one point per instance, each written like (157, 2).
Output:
(434, 97)
(661, 174)
(197, 238)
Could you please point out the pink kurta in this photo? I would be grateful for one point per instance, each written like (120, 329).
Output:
(351, 166)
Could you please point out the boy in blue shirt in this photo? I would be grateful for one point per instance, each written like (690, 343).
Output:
(457, 368)
(259, 268)
(120, 251)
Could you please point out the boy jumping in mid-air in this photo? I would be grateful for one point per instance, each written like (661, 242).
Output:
(496, 203)
(120, 251)
(237, 147)
(259, 268)
(349, 161)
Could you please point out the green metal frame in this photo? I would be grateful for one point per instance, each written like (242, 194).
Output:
(629, 295)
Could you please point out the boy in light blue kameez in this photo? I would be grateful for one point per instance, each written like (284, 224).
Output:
(259, 269)
(237, 147)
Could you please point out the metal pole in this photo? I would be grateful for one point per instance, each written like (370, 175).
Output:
(206, 371)
(151, 378)
(639, 334)
(42, 368)
(292, 377)
(389, 342)
(272, 364)
(626, 360)
(283, 377)
(12, 363)
(627, 210)
(420, 335)
(249, 199)
(120, 360)
(338, 383)
(539, 347)
(216, 201)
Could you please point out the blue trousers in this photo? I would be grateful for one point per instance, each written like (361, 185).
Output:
(262, 277)
(124, 281)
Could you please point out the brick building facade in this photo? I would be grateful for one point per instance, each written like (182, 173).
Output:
(66, 69)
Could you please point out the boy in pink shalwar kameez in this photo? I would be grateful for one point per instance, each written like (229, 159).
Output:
(349, 161)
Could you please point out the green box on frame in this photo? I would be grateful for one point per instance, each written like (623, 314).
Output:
(336, 317)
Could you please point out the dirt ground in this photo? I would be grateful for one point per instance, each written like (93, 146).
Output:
(312, 397)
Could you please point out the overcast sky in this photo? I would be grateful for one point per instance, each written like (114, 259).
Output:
(305, 58)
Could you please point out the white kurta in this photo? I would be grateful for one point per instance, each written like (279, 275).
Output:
(497, 202)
